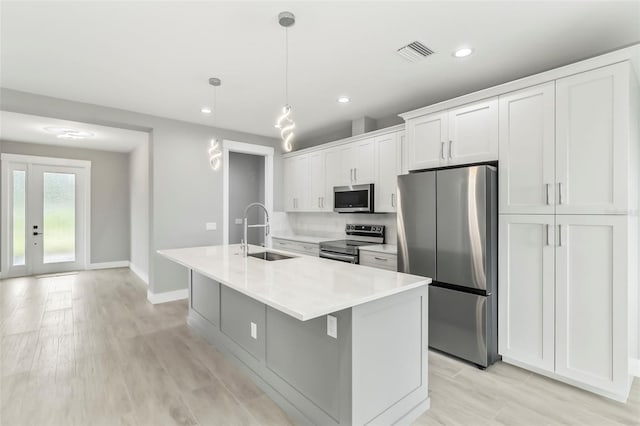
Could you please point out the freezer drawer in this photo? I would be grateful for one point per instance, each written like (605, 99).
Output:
(460, 324)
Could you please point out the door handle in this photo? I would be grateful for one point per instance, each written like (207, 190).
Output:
(38, 233)
(559, 235)
(547, 234)
(442, 150)
(351, 175)
(380, 258)
(559, 192)
(322, 203)
(450, 145)
(355, 175)
(548, 186)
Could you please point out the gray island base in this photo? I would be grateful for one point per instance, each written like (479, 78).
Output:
(373, 372)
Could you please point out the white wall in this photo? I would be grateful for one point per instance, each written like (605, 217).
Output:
(139, 202)
(332, 224)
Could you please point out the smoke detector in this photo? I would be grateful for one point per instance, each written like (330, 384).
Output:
(414, 52)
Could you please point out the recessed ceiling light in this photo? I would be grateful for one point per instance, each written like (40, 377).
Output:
(67, 133)
(344, 99)
(462, 53)
(205, 110)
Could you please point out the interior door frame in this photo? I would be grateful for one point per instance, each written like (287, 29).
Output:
(7, 204)
(246, 148)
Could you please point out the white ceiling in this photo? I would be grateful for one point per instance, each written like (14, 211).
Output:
(156, 57)
(30, 129)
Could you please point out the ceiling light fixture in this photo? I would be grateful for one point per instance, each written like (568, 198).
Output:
(215, 153)
(285, 122)
(206, 110)
(463, 52)
(344, 99)
(67, 133)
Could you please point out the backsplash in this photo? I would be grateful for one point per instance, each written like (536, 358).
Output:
(332, 224)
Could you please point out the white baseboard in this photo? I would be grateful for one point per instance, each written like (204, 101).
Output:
(140, 273)
(634, 368)
(167, 296)
(108, 265)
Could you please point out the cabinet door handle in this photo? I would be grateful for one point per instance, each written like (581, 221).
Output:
(559, 192)
(355, 175)
(380, 258)
(442, 150)
(548, 186)
(547, 234)
(351, 175)
(450, 145)
(322, 198)
(318, 202)
(559, 235)
(393, 201)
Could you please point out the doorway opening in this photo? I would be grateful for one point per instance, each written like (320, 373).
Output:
(45, 214)
(247, 178)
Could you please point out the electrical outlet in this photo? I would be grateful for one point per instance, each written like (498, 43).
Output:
(238, 221)
(210, 226)
(254, 330)
(332, 326)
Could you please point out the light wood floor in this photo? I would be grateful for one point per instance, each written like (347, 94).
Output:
(88, 349)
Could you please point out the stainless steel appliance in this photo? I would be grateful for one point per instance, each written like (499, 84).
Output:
(347, 250)
(447, 230)
(353, 199)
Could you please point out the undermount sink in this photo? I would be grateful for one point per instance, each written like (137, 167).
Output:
(269, 255)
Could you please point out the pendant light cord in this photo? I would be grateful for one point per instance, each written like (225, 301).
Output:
(286, 66)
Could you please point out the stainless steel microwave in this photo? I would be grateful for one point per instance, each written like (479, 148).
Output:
(353, 199)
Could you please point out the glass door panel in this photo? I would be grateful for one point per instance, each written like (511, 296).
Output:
(19, 218)
(59, 217)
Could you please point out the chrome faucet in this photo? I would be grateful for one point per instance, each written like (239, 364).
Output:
(244, 244)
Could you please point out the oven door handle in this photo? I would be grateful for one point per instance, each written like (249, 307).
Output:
(340, 257)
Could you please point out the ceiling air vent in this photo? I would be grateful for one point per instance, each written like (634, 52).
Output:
(415, 51)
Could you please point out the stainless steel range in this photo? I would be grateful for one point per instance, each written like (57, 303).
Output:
(347, 250)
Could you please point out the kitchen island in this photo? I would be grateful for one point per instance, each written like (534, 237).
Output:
(332, 343)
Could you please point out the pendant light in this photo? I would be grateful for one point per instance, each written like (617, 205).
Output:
(215, 154)
(285, 122)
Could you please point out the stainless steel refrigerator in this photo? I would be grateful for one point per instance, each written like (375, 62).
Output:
(448, 231)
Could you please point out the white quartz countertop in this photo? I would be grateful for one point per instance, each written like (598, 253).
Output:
(302, 238)
(304, 287)
(381, 248)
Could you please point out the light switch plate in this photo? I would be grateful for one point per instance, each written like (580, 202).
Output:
(210, 226)
(238, 221)
(332, 326)
(254, 330)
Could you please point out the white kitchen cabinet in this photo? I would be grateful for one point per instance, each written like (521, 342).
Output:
(592, 292)
(318, 194)
(427, 137)
(473, 133)
(468, 134)
(527, 151)
(568, 297)
(379, 260)
(305, 184)
(593, 140)
(526, 301)
(301, 247)
(358, 159)
(388, 165)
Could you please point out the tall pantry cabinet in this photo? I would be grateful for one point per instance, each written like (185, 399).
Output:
(568, 228)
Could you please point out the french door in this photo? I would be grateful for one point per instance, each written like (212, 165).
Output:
(44, 214)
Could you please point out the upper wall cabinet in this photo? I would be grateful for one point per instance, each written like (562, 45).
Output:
(593, 142)
(305, 186)
(355, 164)
(527, 157)
(468, 134)
(387, 168)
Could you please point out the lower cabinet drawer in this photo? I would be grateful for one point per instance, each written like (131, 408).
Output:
(310, 249)
(379, 260)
